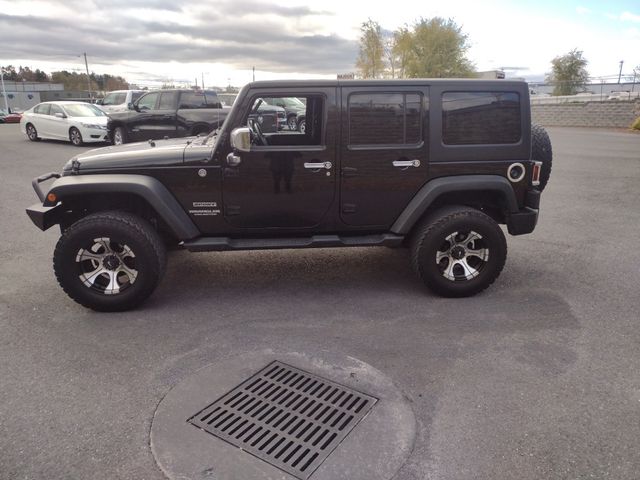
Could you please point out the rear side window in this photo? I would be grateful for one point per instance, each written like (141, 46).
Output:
(385, 118)
(167, 101)
(42, 109)
(481, 118)
(199, 100)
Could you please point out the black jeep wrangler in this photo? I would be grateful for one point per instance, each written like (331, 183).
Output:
(432, 165)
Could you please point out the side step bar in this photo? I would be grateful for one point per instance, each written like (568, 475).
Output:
(218, 244)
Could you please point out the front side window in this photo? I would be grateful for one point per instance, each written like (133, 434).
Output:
(273, 125)
(55, 109)
(385, 118)
(148, 101)
(167, 101)
(481, 118)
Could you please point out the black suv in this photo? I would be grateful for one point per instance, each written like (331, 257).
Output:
(431, 165)
(167, 114)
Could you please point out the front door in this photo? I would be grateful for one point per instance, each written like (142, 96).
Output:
(384, 152)
(288, 179)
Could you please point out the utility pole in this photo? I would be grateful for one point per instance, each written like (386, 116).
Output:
(253, 69)
(86, 65)
(4, 92)
(620, 74)
(202, 80)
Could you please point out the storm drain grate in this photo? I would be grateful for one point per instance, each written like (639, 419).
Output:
(287, 417)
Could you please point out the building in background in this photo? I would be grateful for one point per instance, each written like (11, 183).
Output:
(24, 95)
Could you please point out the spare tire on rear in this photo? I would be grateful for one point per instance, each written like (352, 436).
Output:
(541, 152)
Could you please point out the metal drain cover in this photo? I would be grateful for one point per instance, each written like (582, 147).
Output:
(287, 417)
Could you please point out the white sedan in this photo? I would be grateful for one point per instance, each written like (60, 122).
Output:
(76, 122)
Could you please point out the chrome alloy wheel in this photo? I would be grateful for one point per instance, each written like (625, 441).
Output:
(117, 137)
(462, 256)
(75, 137)
(106, 266)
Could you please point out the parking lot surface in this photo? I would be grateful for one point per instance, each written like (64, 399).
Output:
(538, 377)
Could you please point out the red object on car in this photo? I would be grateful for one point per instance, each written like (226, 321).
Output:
(12, 118)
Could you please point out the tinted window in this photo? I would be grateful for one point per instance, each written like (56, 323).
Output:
(148, 102)
(199, 100)
(385, 119)
(167, 101)
(474, 118)
(114, 99)
(42, 109)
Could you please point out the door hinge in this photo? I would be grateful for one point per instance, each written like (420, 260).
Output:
(348, 208)
(232, 210)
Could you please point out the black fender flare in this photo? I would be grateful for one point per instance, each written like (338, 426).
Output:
(425, 197)
(143, 186)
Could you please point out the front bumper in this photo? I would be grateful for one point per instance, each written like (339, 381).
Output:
(45, 217)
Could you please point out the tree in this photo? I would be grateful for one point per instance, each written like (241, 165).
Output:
(370, 63)
(569, 73)
(402, 48)
(438, 49)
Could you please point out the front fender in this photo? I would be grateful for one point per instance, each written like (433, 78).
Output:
(148, 188)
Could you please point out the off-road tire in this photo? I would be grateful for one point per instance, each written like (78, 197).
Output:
(120, 228)
(541, 151)
(430, 237)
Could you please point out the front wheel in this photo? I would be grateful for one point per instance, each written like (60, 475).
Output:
(302, 125)
(119, 136)
(458, 251)
(109, 261)
(75, 137)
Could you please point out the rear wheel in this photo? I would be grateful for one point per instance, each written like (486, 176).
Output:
(292, 122)
(75, 136)
(458, 251)
(32, 133)
(302, 125)
(109, 261)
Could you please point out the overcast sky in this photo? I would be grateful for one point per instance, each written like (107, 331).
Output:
(149, 41)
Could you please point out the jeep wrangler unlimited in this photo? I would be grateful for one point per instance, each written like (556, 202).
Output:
(433, 165)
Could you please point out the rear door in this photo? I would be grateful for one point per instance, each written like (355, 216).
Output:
(384, 151)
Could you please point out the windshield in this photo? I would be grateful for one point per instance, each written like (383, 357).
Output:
(83, 111)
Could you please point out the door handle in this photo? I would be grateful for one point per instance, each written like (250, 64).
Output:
(406, 163)
(233, 160)
(318, 165)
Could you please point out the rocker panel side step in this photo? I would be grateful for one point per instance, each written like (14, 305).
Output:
(218, 244)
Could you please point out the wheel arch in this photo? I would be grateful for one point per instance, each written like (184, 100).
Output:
(146, 196)
(492, 194)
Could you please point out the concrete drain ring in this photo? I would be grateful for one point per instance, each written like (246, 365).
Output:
(373, 448)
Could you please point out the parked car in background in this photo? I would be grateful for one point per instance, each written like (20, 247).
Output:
(227, 99)
(167, 113)
(76, 122)
(295, 110)
(118, 100)
(9, 117)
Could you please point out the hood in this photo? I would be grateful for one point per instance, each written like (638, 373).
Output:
(130, 155)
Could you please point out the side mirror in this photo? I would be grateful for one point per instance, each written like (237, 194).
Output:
(60, 115)
(99, 101)
(133, 106)
(241, 139)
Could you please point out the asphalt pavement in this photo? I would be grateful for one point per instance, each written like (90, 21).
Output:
(536, 378)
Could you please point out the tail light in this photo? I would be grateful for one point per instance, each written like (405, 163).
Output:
(535, 175)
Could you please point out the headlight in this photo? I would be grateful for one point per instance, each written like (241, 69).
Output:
(94, 126)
